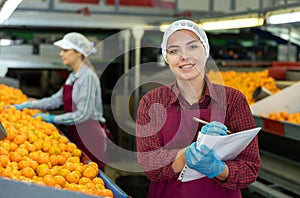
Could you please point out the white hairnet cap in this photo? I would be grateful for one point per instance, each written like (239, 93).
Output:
(75, 41)
(184, 25)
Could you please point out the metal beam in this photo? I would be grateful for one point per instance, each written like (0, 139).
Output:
(267, 191)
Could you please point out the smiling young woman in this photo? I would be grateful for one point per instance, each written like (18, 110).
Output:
(166, 131)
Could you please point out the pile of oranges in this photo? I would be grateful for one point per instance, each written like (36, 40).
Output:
(10, 95)
(246, 82)
(35, 151)
(285, 116)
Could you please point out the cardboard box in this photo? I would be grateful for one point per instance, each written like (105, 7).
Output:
(285, 100)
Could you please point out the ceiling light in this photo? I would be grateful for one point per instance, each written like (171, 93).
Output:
(8, 8)
(283, 16)
(163, 27)
(232, 23)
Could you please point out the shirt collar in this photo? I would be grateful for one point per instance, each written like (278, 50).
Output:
(209, 91)
(80, 71)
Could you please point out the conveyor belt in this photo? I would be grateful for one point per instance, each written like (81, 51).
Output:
(278, 177)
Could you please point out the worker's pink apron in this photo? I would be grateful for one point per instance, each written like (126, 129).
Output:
(179, 131)
(89, 136)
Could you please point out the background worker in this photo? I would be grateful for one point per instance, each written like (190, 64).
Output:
(81, 100)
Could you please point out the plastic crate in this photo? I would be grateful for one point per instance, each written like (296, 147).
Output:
(17, 189)
(117, 191)
(285, 100)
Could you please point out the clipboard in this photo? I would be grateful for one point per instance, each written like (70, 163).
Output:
(225, 148)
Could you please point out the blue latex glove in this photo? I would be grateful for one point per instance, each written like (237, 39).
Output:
(214, 128)
(203, 160)
(23, 105)
(46, 117)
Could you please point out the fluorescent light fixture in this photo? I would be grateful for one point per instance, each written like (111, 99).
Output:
(283, 16)
(8, 8)
(232, 23)
(5, 42)
(163, 27)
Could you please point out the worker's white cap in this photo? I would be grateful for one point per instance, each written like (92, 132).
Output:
(184, 25)
(75, 41)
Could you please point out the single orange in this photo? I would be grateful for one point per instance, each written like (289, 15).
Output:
(73, 177)
(27, 172)
(19, 139)
(93, 164)
(30, 147)
(46, 146)
(24, 163)
(34, 164)
(4, 160)
(42, 169)
(15, 157)
(34, 155)
(66, 154)
(32, 138)
(99, 186)
(72, 186)
(105, 192)
(62, 146)
(70, 147)
(53, 159)
(42, 172)
(76, 152)
(64, 172)
(69, 165)
(98, 180)
(63, 139)
(90, 172)
(79, 167)
(22, 151)
(11, 134)
(38, 144)
(43, 158)
(84, 180)
(5, 145)
(73, 159)
(61, 160)
(53, 150)
(60, 180)
(49, 180)
(56, 169)
(3, 151)
(13, 146)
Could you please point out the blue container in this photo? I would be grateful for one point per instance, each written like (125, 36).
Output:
(118, 192)
(15, 189)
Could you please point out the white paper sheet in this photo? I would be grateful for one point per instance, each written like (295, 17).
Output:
(225, 148)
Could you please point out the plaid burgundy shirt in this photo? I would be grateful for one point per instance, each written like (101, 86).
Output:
(243, 170)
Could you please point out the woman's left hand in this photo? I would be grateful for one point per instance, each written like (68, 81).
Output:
(45, 117)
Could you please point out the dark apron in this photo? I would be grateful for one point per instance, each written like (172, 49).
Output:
(179, 131)
(89, 136)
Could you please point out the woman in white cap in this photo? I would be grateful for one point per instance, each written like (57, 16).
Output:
(81, 99)
(166, 131)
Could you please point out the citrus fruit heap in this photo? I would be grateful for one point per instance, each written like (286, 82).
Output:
(10, 95)
(285, 116)
(246, 82)
(35, 151)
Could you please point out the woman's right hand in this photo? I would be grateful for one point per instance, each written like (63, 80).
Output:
(214, 128)
(23, 105)
(203, 160)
